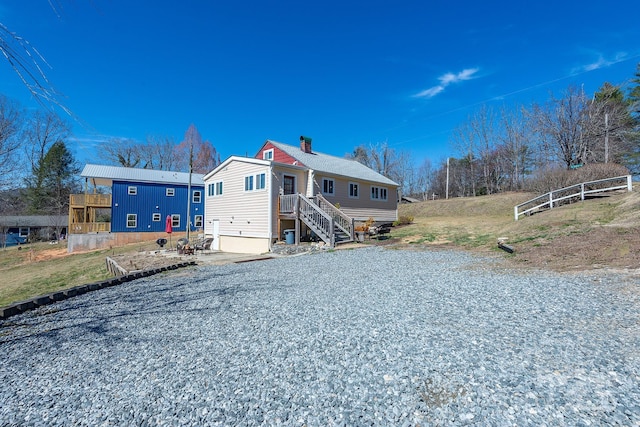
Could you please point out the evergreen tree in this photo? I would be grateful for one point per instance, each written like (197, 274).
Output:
(52, 181)
(634, 94)
(633, 156)
(609, 126)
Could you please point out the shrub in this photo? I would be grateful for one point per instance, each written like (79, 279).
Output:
(403, 220)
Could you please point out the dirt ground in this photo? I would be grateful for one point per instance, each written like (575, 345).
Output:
(616, 249)
(602, 247)
(144, 261)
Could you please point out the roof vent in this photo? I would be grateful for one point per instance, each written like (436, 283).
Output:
(305, 144)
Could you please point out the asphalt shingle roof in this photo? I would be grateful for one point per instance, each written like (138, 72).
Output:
(333, 165)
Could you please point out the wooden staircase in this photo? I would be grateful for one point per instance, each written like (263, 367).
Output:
(327, 221)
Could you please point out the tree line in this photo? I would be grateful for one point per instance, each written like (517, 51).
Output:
(38, 172)
(537, 148)
(534, 148)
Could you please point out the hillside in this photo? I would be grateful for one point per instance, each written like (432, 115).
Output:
(597, 233)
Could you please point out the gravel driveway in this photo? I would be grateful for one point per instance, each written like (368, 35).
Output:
(352, 337)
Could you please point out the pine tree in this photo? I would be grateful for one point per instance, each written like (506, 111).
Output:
(52, 181)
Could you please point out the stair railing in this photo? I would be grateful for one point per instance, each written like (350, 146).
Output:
(318, 220)
(342, 220)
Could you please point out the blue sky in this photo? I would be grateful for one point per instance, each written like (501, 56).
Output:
(344, 73)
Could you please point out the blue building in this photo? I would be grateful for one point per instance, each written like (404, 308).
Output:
(132, 200)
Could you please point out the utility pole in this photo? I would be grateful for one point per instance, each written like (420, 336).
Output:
(189, 189)
(447, 191)
(606, 137)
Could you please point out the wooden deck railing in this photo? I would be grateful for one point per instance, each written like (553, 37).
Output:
(89, 227)
(288, 203)
(93, 200)
(319, 215)
(573, 192)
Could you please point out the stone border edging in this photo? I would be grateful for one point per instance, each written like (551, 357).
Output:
(42, 300)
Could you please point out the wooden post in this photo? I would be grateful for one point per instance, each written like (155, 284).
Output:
(332, 234)
(353, 229)
(297, 222)
(279, 226)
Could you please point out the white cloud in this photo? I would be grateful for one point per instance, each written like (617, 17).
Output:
(601, 62)
(430, 93)
(447, 79)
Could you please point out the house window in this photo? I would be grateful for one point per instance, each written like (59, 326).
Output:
(132, 220)
(267, 154)
(257, 182)
(260, 181)
(354, 190)
(327, 186)
(215, 189)
(197, 221)
(197, 195)
(171, 192)
(175, 221)
(378, 193)
(132, 190)
(156, 217)
(248, 183)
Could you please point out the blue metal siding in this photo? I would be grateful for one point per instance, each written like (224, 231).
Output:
(150, 199)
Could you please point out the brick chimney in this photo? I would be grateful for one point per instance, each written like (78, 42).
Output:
(305, 144)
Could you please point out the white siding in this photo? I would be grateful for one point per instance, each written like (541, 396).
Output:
(241, 213)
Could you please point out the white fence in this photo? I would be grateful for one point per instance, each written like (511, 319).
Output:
(573, 192)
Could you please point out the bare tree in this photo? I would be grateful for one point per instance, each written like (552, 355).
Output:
(121, 152)
(379, 157)
(562, 126)
(404, 173)
(160, 153)
(425, 180)
(195, 154)
(464, 141)
(514, 151)
(482, 125)
(206, 159)
(11, 120)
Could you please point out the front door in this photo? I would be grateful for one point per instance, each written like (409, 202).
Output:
(289, 184)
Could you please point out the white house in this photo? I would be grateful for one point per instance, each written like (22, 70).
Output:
(250, 202)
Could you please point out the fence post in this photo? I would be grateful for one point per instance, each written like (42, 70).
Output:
(550, 199)
(629, 183)
(582, 191)
(515, 212)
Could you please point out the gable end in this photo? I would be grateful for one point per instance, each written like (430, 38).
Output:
(279, 156)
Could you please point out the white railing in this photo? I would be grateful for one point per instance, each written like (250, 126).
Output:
(557, 197)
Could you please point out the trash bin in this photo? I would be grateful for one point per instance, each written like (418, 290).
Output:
(290, 236)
